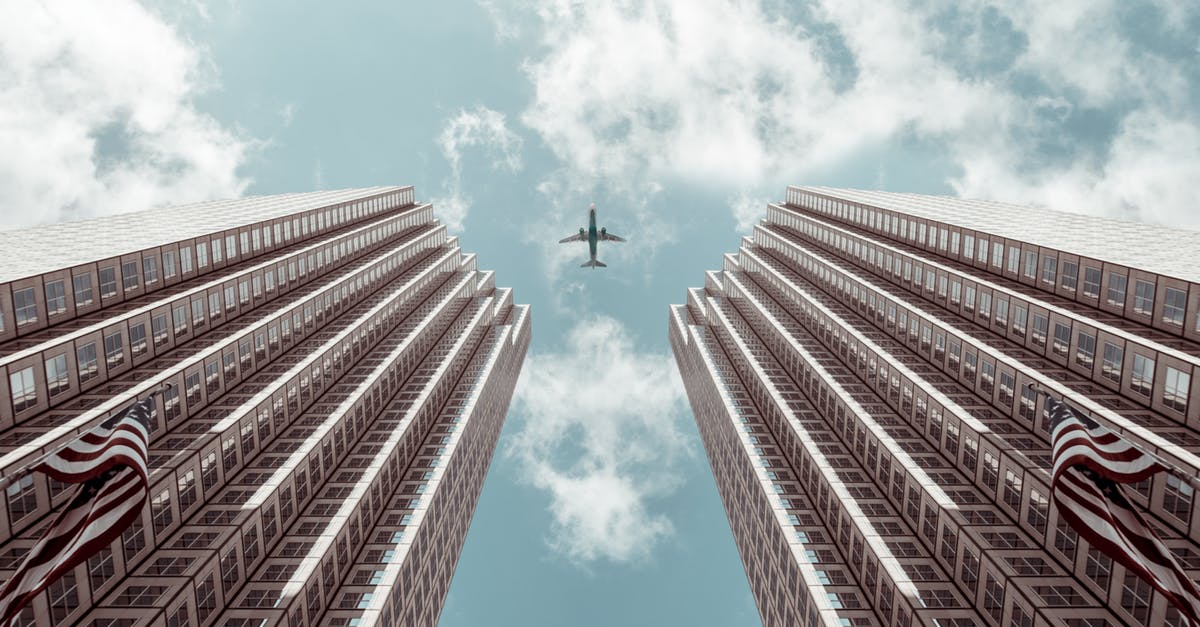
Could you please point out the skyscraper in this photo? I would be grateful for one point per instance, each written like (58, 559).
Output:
(339, 371)
(858, 372)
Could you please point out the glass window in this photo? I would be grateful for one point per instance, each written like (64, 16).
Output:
(22, 498)
(56, 298)
(158, 325)
(1041, 326)
(1116, 288)
(129, 275)
(216, 250)
(1141, 379)
(1113, 356)
(168, 264)
(108, 282)
(1019, 318)
(1176, 388)
(1085, 354)
(997, 254)
(25, 303)
(983, 249)
(1030, 264)
(1062, 339)
(1143, 297)
(114, 350)
(185, 259)
(1049, 269)
(85, 358)
(57, 379)
(1091, 281)
(23, 388)
(137, 339)
(198, 313)
(1174, 305)
(150, 269)
(179, 318)
(1070, 274)
(83, 290)
(201, 255)
(1177, 498)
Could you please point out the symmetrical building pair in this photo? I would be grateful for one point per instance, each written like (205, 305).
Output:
(339, 370)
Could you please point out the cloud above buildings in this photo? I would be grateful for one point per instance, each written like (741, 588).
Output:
(1087, 106)
(483, 129)
(600, 432)
(98, 114)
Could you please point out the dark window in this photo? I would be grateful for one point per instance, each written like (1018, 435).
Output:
(85, 357)
(1070, 274)
(83, 290)
(108, 282)
(1174, 305)
(56, 298)
(1116, 288)
(25, 304)
(129, 275)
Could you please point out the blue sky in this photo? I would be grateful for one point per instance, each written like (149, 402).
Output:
(680, 119)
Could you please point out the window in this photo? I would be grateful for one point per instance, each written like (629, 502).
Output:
(137, 339)
(129, 275)
(1143, 297)
(160, 512)
(57, 379)
(22, 498)
(114, 350)
(1175, 389)
(231, 247)
(1041, 325)
(158, 326)
(216, 250)
(214, 306)
(997, 253)
(1019, 319)
(1113, 356)
(1002, 312)
(1174, 305)
(1049, 269)
(24, 389)
(1091, 281)
(83, 290)
(1135, 598)
(1142, 376)
(1070, 275)
(56, 298)
(1177, 498)
(85, 357)
(1030, 264)
(63, 597)
(198, 313)
(201, 255)
(168, 264)
(185, 259)
(26, 306)
(1116, 288)
(150, 269)
(108, 282)
(191, 385)
(1062, 339)
(1085, 354)
(179, 317)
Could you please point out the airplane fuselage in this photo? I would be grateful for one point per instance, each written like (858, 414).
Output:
(593, 235)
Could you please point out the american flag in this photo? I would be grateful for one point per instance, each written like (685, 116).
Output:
(1090, 463)
(110, 462)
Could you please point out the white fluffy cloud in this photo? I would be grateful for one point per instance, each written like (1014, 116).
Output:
(602, 436)
(747, 93)
(97, 114)
(480, 128)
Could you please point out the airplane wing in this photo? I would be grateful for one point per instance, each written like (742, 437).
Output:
(609, 237)
(578, 237)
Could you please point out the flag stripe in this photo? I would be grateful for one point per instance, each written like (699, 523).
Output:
(110, 464)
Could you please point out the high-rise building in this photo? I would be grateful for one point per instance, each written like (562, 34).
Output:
(339, 371)
(858, 373)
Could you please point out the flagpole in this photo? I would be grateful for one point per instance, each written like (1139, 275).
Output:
(9, 479)
(1189, 478)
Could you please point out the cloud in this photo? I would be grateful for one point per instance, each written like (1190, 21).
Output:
(742, 94)
(97, 114)
(748, 210)
(601, 436)
(479, 128)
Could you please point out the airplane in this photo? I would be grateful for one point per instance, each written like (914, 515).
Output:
(591, 236)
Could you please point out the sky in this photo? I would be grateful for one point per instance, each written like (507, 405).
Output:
(680, 119)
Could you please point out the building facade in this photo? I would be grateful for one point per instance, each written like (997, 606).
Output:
(858, 373)
(339, 371)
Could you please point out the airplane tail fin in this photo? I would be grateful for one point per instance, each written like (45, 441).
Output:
(592, 263)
